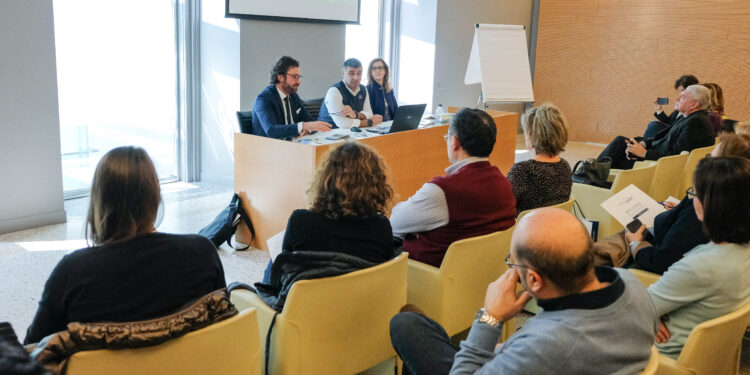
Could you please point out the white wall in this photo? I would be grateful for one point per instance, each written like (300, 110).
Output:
(31, 193)
(454, 35)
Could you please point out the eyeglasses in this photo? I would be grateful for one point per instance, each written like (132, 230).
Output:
(690, 192)
(378, 68)
(294, 76)
(445, 137)
(511, 265)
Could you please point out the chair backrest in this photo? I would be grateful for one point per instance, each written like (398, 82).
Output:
(692, 162)
(313, 107)
(667, 177)
(228, 347)
(640, 177)
(713, 347)
(339, 325)
(468, 267)
(653, 362)
(567, 206)
(245, 119)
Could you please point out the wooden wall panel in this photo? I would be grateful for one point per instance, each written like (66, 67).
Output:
(604, 61)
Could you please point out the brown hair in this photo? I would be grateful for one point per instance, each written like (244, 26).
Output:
(721, 186)
(742, 127)
(717, 98)
(386, 77)
(125, 196)
(734, 145)
(545, 128)
(351, 182)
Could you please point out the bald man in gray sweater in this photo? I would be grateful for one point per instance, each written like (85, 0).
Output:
(595, 320)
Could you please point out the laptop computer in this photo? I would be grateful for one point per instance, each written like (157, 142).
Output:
(407, 118)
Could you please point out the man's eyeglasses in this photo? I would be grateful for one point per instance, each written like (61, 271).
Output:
(690, 192)
(511, 265)
(294, 76)
(445, 137)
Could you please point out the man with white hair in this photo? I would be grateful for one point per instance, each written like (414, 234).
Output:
(691, 131)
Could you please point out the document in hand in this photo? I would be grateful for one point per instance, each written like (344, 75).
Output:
(632, 203)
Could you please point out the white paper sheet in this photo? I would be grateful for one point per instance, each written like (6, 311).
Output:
(632, 203)
(275, 243)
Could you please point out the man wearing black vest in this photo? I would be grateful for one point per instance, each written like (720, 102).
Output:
(278, 112)
(346, 104)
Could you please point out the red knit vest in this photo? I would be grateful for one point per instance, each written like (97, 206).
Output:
(480, 201)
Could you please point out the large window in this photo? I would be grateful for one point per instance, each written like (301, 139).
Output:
(363, 40)
(117, 84)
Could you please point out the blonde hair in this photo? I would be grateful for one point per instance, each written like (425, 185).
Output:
(742, 127)
(717, 98)
(545, 129)
(351, 182)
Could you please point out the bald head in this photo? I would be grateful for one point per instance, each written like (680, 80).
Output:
(555, 244)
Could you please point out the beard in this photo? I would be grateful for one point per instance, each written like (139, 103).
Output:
(289, 89)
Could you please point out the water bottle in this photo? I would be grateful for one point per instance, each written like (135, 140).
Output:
(439, 113)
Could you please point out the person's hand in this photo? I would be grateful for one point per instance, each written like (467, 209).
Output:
(663, 335)
(668, 205)
(501, 301)
(637, 236)
(635, 148)
(657, 107)
(316, 126)
(377, 119)
(347, 111)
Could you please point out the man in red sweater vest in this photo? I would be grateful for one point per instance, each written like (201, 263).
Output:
(473, 198)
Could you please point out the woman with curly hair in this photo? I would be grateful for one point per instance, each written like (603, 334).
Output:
(349, 198)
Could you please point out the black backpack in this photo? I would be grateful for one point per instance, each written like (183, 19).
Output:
(224, 225)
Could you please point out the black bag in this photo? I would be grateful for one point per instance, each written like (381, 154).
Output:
(225, 224)
(593, 172)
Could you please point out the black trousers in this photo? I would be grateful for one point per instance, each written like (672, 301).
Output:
(422, 344)
(616, 151)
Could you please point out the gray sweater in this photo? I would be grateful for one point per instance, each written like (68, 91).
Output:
(607, 331)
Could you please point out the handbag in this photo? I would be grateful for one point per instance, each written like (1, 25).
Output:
(225, 224)
(593, 172)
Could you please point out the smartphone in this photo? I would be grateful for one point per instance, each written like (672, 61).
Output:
(662, 101)
(634, 225)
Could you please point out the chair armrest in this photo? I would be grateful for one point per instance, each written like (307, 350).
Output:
(245, 299)
(647, 278)
(424, 288)
(589, 198)
(668, 366)
(612, 174)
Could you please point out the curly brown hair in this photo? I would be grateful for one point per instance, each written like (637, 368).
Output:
(351, 182)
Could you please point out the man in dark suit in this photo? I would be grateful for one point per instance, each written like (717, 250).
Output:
(692, 130)
(278, 112)
(662, 120)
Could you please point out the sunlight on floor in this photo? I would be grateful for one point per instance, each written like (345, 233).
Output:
(66, 245)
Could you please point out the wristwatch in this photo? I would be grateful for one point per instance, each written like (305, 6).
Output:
(369, 122)
(484, 317)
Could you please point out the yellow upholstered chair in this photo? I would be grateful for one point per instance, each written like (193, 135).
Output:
(452, 294)
(228, 347)
(567, 206)
(653, 363)
(333, 325)
(647, 278)
(713, 347)
(590, 197)
(690, 165)
(667, 177)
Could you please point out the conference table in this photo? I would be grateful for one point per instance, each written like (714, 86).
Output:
(272, 176)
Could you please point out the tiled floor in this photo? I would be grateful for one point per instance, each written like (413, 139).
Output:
(27, 257)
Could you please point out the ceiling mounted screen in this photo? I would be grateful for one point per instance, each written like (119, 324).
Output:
(327, 11)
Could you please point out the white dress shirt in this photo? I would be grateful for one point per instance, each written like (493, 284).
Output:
(283, 104)
(427, 209)
(335, 103)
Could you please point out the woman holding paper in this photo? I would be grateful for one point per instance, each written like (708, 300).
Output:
(712, 279)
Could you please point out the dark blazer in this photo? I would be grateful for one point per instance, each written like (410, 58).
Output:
(667, 120)
(378, 98)
(268, 114)
(676, 232)
(685, 134)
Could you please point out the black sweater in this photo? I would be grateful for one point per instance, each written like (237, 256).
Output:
(145, 277)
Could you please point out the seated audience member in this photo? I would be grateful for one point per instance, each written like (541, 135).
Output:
(382, 97)
(349, 197)
(716, 107)
(712, 279)
(132, 272)
(544, 180)
(278, 112)
(594, 320)
(473, 198)
(692, 131)
(347, 104)
(662, 120)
